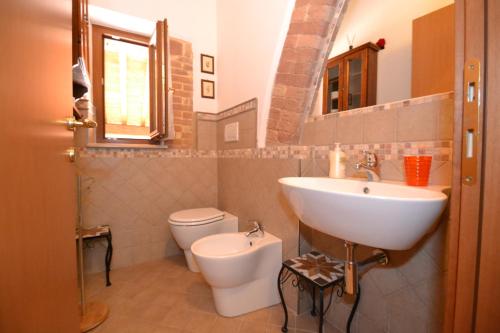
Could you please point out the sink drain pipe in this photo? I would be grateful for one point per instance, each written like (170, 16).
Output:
(351, 275)
(351, 266)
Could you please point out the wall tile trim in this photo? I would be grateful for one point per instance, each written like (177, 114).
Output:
(232, 111)
(148, 153)
(440, 150)
(388, 106)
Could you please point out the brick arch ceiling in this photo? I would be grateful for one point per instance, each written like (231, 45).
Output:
(312, 30)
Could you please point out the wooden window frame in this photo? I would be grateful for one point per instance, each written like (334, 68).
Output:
(99, 33)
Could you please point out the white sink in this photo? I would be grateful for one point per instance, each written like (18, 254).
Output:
(376, 214)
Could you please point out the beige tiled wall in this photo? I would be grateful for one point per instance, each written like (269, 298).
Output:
(249, 189)
(210, 127)
(206, 137)
(420, 120)
(247, 130)
(428, 120)
(135, 196)
(393, 169)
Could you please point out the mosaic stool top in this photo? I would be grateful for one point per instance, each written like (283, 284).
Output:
(317, 267)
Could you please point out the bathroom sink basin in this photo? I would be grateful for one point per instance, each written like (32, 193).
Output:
(382, 215)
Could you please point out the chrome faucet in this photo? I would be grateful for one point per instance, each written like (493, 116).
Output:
(258, 228)
(369, 164)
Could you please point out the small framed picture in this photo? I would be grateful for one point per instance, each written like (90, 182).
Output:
(207, 89)
(207, 64)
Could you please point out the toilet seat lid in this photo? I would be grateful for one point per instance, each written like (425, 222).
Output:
(196, 216)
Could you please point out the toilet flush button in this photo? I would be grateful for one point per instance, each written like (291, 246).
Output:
(231, 132)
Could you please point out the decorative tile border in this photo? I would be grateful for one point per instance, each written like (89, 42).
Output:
(147, 153)
(440, 150)
(274, 152)
(240, 108)
(388, 106)
(206, 116)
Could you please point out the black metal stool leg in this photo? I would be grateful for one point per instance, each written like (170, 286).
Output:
(285, 324)
(321, 298)
(108, 257)
(313, 311)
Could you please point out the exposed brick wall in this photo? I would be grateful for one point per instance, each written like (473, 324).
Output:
(313, 28)
(181, 54)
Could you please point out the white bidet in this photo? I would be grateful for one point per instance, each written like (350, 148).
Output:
(241, 270)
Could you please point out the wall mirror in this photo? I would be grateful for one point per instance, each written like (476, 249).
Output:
(416, 60)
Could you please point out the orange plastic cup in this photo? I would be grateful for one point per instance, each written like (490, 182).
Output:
(417, 169)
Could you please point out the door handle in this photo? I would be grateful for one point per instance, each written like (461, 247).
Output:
(71, 154)
(72, 124)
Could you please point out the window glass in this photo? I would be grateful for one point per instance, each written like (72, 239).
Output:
(126, 90)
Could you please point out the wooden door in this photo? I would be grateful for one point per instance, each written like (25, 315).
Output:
(488, 293)
(465, 199)
(473, 297)
(38, 285)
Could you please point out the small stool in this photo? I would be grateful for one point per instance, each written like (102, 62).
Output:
(101, 231)
(316, 269)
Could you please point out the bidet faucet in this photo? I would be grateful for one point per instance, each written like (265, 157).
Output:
(258, 228)
(369, 164)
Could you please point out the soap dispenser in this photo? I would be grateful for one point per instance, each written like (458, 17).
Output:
(338, 161)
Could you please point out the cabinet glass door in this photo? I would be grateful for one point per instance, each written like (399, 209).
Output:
(333, 98)
(354, 79)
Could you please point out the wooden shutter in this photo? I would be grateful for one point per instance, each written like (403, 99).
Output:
(158, 75)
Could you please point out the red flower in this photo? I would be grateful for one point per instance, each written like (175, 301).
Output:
(381, 43)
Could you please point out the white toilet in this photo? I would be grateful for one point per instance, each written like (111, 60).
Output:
(241, 270)
(191, 224)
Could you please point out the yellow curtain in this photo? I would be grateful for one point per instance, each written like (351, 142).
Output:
(126, 83)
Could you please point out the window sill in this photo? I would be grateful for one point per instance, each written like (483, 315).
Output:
(125, 146)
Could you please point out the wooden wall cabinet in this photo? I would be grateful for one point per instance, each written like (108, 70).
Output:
(350, 79)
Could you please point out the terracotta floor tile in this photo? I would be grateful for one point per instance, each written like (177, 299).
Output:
(277, 329)
(205, 304)
(306, 322)
(259, 316)
(177, 318)
(200, 322)
(226, 325)
(277, 316)
(253, 327)
(165, 297)
(166, 329)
